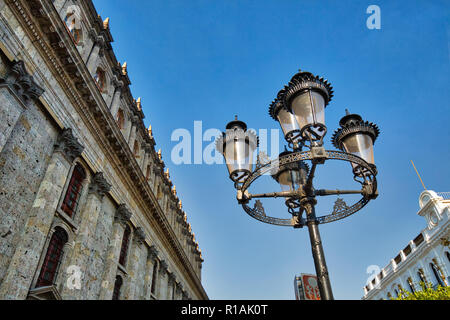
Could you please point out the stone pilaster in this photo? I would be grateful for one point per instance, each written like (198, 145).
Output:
(179, 292)
(86, 236)
(96, 51)
(163, 280)
(115, 104)
(134, 263)
(17, 89)
(144, 160)
(151, 260)
(171, 286)
(122, 216)
(25, 261)
(132, 137)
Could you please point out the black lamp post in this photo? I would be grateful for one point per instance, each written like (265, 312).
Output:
(300, 110)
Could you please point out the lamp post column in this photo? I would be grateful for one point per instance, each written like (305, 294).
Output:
(317, 252)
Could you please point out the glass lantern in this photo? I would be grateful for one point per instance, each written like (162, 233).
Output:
(238, 145)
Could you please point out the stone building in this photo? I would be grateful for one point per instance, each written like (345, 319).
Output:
(425, 259)
(87, 207)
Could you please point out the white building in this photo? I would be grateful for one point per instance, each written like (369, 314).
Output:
(426, 258)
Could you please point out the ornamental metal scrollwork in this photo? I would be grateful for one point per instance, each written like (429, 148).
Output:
(339, 206)
(340, 211)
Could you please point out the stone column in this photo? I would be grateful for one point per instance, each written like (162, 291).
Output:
(133, 265)
(25, 261)
(85, 238)
(163, 280)
(123, 216)
(151, 260)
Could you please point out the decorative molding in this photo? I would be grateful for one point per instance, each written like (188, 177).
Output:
(172, 278)
(68, 145)
(22, 82)
(99, 185)
(139, 235)
(163, 266)
(153, 253)
(123, 215)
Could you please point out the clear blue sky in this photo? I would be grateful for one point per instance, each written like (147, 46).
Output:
(209, 60)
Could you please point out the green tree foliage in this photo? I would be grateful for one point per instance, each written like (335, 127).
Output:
(427, 293)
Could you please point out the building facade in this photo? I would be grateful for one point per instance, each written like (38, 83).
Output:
(425, 259)
(87, 207)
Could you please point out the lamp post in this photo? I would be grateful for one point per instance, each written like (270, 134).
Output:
(300, 110)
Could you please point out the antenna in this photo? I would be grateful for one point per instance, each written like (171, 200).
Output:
(418, 175)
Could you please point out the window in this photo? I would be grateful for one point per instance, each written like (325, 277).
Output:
(52, 258)
(72, 25)
(155, 271)
(99, 78)
(73, 192)
(120, 119)
(448, 256)
(117, 287)
(124, 248)
(437, 275)
(422, 276)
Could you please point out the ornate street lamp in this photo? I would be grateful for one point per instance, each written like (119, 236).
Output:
(291, 177)
(237, 146)
(300, 110)
(287, 121)
(306, 97)
(356, 137)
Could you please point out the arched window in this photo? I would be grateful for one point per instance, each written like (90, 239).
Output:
(422, 276)
(396, 293)
(120, 119)
(124, 248)
(52, 258)
(437, 275)
(154, 275)
(73, 192)
(73, 26)
(99, 78)
(117, 287)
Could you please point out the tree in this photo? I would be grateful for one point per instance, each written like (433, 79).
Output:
(427, 293)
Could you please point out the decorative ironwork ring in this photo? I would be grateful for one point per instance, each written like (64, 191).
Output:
(341, 211)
